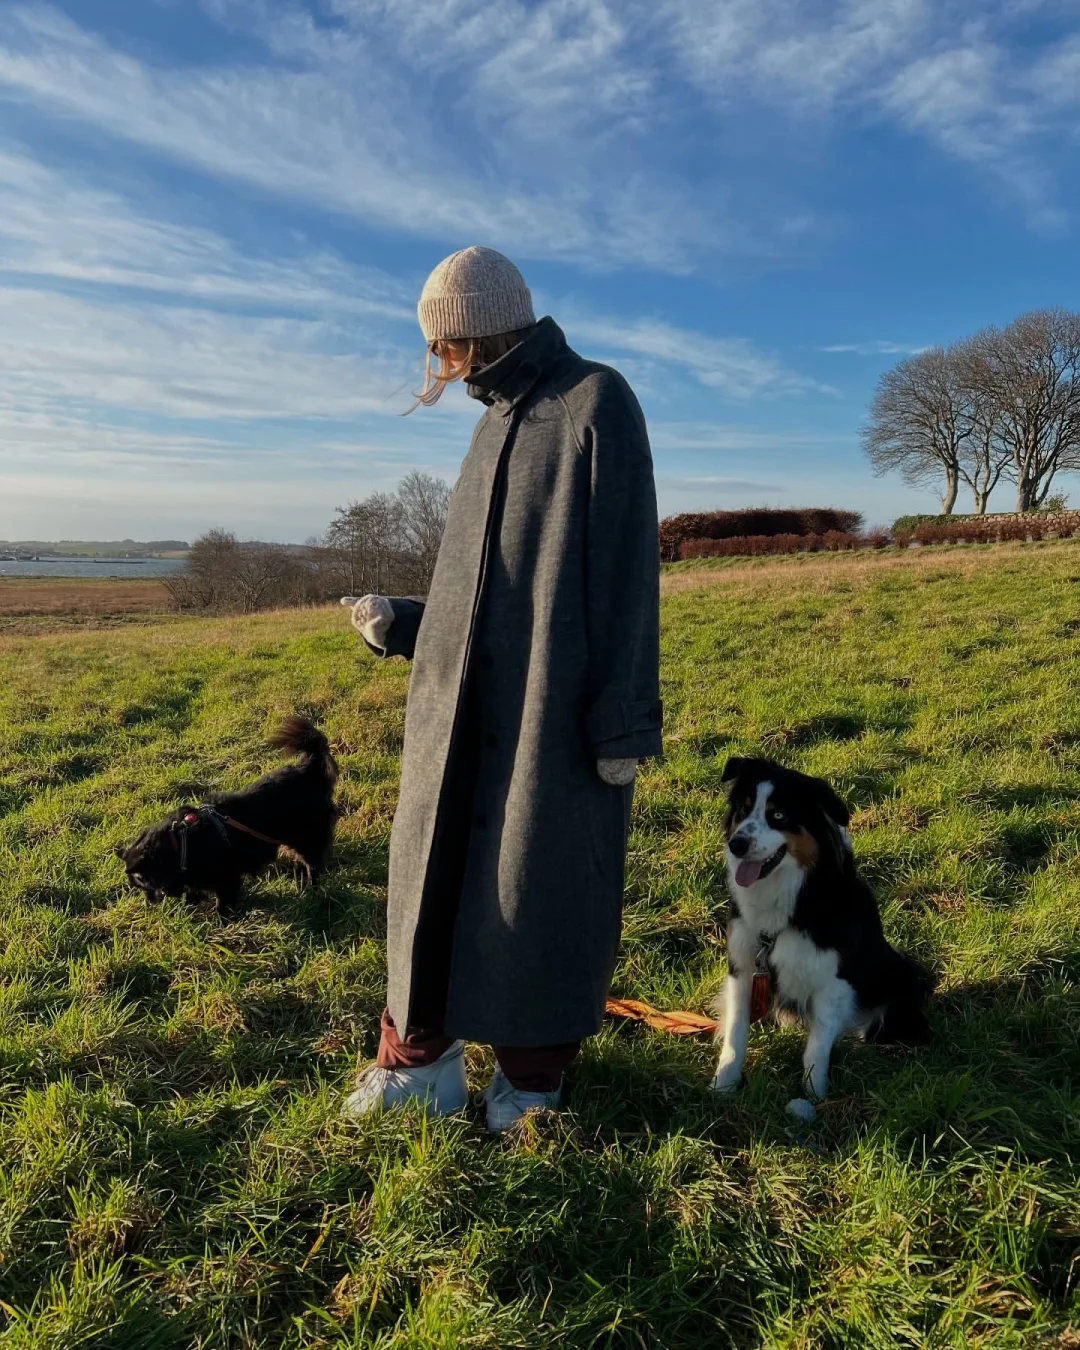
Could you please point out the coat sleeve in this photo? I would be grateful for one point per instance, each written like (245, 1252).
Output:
(624, 717)
(402, 634)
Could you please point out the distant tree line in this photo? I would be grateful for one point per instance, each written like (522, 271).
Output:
(97, 547)
(1001, 406)
(387, 543)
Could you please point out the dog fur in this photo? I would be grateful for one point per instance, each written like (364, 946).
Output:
(205, 850)
(800, 910)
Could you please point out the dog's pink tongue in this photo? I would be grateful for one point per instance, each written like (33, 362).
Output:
(747, 873)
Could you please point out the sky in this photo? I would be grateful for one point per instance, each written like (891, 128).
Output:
(216, 217)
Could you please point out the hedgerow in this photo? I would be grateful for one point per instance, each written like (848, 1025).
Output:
(753, 522)
(758, 545)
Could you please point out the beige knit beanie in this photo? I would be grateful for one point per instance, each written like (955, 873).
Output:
(473, 294)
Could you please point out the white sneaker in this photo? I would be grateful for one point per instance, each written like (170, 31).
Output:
(507, 1104)
(440, 1086)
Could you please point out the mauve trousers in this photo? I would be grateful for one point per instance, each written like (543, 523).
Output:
(533, 1068)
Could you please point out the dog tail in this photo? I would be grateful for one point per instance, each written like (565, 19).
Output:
(298, 736)
(904, 1020)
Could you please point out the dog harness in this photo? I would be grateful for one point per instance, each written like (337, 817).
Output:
(221, 823)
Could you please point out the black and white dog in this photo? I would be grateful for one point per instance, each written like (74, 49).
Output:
(807, 925)
(209, 849)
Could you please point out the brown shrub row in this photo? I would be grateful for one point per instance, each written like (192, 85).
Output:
(754, 522)
(991, 530)
(760, 545)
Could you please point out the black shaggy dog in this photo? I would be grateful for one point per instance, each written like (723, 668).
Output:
(209, 849)
(805, 937)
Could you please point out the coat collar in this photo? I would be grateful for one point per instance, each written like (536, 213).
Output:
(506, 381)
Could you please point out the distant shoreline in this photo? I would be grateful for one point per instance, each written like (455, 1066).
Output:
(92, 550)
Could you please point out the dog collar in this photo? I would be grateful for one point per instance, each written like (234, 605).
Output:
(764, 951)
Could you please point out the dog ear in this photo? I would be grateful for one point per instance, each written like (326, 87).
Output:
(733, 768)
(833, 806)
(120, 853)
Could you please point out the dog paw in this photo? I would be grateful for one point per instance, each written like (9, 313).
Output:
(802, 1109)
(727, 1079)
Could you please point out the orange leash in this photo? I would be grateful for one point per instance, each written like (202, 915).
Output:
(239, 825)
(675, 1023)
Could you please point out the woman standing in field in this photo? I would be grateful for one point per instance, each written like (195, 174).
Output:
(535, 691)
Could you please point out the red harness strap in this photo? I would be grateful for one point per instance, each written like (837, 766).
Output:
(178, 834)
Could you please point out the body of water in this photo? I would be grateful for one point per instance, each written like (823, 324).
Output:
(96, 567)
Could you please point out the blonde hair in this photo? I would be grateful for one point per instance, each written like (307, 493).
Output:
(480, 352)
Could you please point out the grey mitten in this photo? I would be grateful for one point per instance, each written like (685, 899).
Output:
(371, 616)
(617, 772)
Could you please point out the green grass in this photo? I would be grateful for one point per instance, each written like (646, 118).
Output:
(173, 1167)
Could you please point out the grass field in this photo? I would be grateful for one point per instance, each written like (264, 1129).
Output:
(173, 1167)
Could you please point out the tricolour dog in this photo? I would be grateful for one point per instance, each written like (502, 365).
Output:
(210, 848)
(805, 924)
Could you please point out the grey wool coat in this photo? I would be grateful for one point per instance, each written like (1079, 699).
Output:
(536, 654)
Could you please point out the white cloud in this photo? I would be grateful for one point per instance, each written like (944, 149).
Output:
(980, 104)
(176, 361)
(733, 438)
(147, 352)
(878, 347)
(1055, 78)
(740, 487)
(788, 50)
(54, 227)
(348, 136)
(732, 366)
(580, 130)
(956, 75)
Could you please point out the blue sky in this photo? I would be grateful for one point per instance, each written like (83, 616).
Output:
(216, 216)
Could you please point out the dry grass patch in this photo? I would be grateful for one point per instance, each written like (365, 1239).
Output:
(30, 605)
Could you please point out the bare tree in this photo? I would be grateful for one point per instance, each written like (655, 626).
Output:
(424, 501)
(222, 573)
(982, 458)
(263, 575)
(917, 424)
(1032, 368)
(207, 581)
(368, 538)
(1002, 405)
(386, 544)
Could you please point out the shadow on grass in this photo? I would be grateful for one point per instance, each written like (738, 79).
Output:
(711, 745)
(76, 769)
(1025, 845)
(1029, 795)
(171, 708)
(828, 727)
